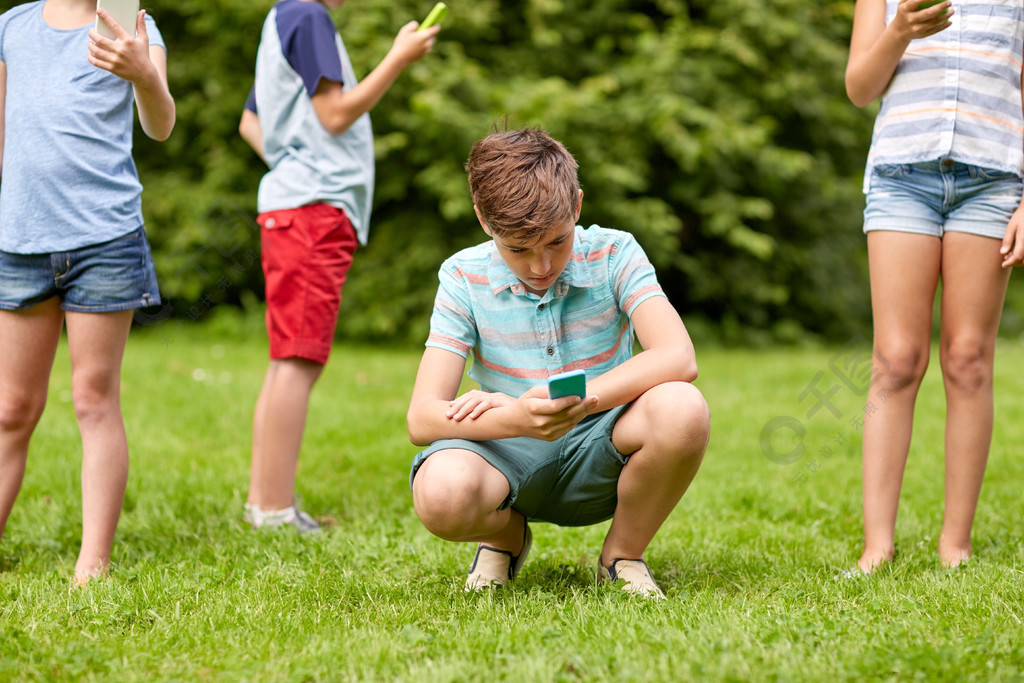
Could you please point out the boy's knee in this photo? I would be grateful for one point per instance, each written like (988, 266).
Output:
(679, 414)
(445, 498)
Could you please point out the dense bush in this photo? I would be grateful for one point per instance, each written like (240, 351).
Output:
(717, 131)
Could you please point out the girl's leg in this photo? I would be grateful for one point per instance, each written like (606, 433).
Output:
(904, 271)
(29, 341)
(96, 342)
(456, 494)
(665, 431)
(278, 425)
(973, 289)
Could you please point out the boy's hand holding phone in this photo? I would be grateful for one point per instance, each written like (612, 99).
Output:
(571, 383)
(436, 15)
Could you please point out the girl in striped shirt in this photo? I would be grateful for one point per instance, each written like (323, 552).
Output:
(944, 202)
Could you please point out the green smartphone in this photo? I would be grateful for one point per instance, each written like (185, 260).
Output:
(572, 383)
(928, 3)
(435, 16)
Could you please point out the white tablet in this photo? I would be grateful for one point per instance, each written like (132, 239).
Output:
(124, 12)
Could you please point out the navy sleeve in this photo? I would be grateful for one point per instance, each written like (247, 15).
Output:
(308, 40)
(250, 101)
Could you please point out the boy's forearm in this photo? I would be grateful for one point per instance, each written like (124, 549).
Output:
(338, 109)
(642, 372)
(251, 131)
(427, 423)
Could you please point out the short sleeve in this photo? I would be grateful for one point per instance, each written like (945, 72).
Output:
(633, 276)
(4, 18)
(452, 325)
(308, 39)
(155, 37)
(250, 101)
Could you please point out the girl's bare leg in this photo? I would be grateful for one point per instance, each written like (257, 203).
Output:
(96, 342)
(29, 341)
(973, 289)
(904, 269)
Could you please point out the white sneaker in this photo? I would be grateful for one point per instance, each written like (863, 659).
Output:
(635, 575)
(290, 516)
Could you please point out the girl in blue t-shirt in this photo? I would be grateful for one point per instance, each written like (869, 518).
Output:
(944, 202)
(72, 246)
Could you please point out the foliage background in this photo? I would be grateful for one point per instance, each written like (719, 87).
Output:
(717, 131)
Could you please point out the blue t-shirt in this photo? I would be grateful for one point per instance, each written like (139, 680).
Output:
(69, 180)
(299, 48)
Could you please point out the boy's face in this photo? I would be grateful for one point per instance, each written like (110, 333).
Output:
(538, 264)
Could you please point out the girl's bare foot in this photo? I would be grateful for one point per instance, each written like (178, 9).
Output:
(952, 556)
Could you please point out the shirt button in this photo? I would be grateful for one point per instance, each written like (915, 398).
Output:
(551, 351)
(540, 307)
(271, 222)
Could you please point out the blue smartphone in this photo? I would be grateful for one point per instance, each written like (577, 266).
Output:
(572, 383)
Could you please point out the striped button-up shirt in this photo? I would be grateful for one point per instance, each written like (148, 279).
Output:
(517, 339)
(957, 94)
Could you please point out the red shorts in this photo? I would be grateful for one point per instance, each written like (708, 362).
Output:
(306, 254)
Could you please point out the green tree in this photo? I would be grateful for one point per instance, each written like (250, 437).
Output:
(718, 131)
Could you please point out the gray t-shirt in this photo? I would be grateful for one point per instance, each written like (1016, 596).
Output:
(298, 48)
(69, 180)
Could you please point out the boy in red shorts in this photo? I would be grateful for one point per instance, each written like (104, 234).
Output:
(308, 118)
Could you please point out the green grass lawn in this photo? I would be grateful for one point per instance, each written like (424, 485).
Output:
(748, 558)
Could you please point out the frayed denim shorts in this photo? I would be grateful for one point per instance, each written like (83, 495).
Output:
(572, 481)
(112, 276)
(936, 197)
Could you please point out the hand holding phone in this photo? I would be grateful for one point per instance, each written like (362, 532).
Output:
(124, 12)
(571, 383)
(435, 16)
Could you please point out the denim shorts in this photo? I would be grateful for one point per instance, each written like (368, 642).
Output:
(936, 197)
(112, 276)
(570, 482)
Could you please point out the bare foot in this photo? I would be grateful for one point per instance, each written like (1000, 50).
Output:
(873, 559)
(84, 576)
(952, 556)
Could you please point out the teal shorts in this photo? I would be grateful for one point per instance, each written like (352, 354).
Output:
(570, 482)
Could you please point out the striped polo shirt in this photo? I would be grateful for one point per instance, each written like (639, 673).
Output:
(957, 94)
(517, 339)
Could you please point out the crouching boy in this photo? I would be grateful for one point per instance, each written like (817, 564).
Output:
(543, 296)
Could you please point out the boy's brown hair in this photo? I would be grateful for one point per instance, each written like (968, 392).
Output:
(523, 182)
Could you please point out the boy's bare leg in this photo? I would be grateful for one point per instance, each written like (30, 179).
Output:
(973, 289)
(259, 416)
(279, 423)
(456, 494)
(904, 271)
(96, 342)
(29, 341)
(665, 431)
